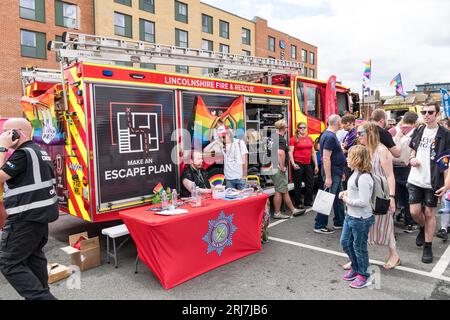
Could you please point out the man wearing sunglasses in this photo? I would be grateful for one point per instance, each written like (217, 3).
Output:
(425, 180)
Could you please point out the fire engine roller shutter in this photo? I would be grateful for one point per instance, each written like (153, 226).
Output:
(133, 130)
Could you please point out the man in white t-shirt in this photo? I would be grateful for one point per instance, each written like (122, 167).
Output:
(425, 181)
(234, 153)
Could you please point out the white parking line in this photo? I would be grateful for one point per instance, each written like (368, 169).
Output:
(442, 264)
(434, 275)
(273, 224)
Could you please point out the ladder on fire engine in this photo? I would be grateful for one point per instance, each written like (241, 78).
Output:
(100, 49)
(32, 74)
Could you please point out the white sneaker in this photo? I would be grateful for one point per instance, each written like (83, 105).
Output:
(298, 212)
(279, 215)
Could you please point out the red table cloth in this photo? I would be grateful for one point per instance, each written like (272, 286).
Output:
(179, 248)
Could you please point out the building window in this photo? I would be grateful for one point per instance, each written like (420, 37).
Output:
(271, 45)
(303, 55)
(146, 30)
(33, 44)
(124, 63)
(311, 73)
(224, 29)
(58, 39)
(207, 45)
(293, 52)
(122, 25)
(181, 38)
(151, 66)
(181, 12)
(311, 58)
(147, 5)
(304, 71)
(32, 10)
(246, 53)
(66, 14)
(245, 36)
(207, 24)
(125, 2)
(208, 71)
(182, 69)
(224, 48)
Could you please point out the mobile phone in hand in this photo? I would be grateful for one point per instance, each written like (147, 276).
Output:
(15, 135)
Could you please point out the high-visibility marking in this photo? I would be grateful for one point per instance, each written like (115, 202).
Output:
(76, 198)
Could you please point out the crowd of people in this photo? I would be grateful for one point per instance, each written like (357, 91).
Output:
(346, 158)
(406, 156)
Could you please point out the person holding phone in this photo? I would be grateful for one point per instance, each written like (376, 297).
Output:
(30, 203)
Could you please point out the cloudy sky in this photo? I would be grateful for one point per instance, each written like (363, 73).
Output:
(410, 37)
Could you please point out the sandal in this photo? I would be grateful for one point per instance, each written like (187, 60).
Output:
(389, 266)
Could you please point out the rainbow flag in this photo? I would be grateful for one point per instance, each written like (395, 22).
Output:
(217, 180)
(158, 188)
(397, 83)
(205, 122)
(40, 111)
(368, 69)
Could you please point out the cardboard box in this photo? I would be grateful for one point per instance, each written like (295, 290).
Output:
(89, 254)
(57, 272)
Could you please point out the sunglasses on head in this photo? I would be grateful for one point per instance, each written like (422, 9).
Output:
(427, 112)
(361, 133)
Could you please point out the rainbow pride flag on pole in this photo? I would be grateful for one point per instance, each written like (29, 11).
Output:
(158, 188)
(397, 83)
(368, 69)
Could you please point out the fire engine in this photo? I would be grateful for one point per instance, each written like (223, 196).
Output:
(115, 129)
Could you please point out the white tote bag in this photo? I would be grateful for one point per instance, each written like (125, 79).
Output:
(323, 202)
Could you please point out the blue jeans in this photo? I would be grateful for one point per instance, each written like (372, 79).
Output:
(338, 207)
(238, 184)
(354, 242)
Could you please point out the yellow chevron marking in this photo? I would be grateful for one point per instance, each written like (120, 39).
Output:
(72, 209)
(79, 142)
(78, 199)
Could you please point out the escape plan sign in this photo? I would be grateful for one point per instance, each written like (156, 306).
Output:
(133, 141)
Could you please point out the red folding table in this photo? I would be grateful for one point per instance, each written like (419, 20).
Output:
(181, 247)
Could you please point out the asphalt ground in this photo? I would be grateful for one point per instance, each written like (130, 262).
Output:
(295, 264)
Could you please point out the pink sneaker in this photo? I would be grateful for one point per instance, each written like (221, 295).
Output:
(360, 282)
(350, 275)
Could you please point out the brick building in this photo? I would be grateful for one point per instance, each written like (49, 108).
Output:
(271, 43)
(26, 27)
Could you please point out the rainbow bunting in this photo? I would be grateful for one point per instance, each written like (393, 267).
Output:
(368, 69)
(158, 188)
(397, 83)
(217, 180)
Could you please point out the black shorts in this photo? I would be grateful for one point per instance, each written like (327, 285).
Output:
(423, 196)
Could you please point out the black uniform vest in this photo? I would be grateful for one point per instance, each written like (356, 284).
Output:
(34, 197)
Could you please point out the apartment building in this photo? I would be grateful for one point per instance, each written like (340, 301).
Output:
(26, 27)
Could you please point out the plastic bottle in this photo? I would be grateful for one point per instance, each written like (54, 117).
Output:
(193, 191)
(198, 197)
(174, 200)
(164, 202)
